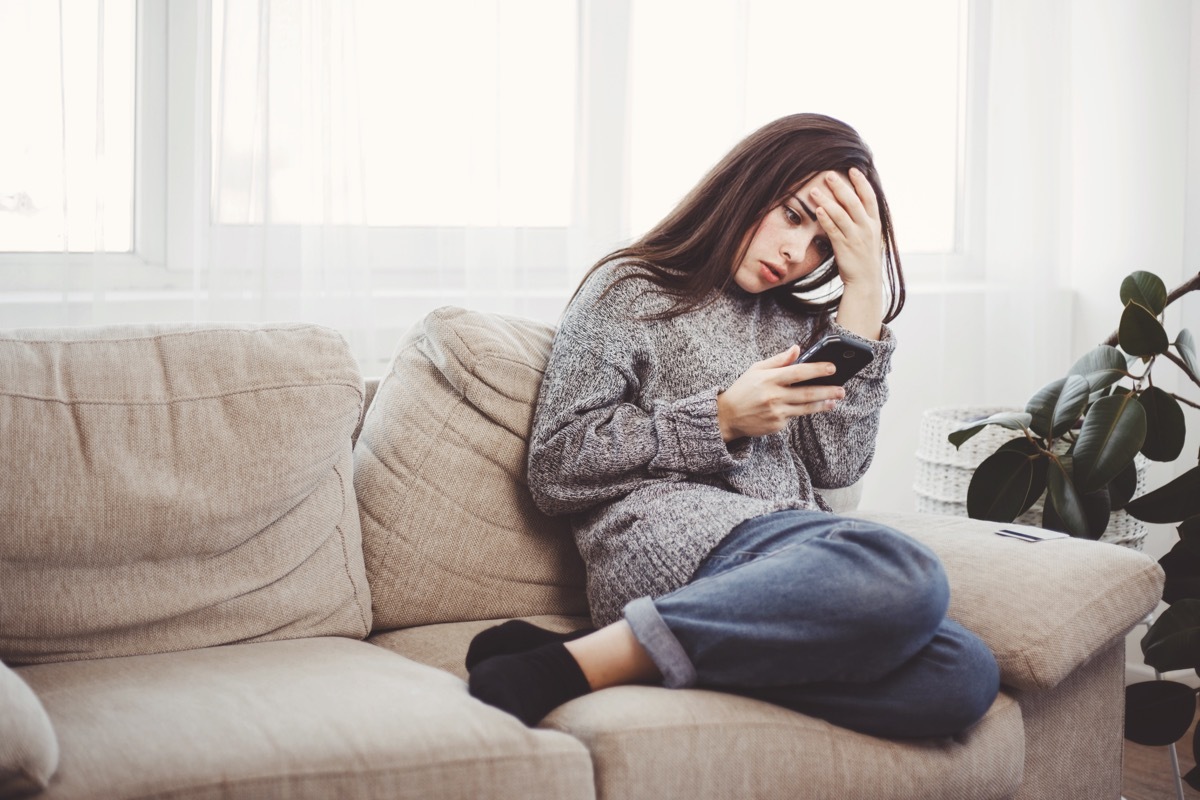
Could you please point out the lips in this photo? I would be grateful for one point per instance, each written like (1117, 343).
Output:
(770, 272)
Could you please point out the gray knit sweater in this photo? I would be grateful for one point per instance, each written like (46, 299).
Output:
(625, 436)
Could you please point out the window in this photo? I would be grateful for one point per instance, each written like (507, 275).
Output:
(456, 113)
(892, 70)
(67, 177)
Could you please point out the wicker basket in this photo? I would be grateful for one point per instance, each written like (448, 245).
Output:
(944, 473)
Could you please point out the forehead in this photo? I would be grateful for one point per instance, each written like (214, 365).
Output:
(817, 180)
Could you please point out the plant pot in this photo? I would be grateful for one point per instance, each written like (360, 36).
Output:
(944, 472)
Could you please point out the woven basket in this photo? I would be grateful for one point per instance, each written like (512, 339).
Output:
(944, 473)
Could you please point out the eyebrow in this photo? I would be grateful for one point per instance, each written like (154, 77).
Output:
(803, 206)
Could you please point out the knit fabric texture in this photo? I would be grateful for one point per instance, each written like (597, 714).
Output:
(625, 437)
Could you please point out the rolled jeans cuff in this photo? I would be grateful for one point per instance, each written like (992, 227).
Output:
(660, 644)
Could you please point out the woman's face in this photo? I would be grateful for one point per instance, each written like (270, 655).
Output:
(788, 244)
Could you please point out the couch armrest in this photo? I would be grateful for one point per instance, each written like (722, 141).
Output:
(28, 746)
(1043, 608)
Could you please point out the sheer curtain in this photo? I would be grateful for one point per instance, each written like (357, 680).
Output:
(66, 154)
(372, 160)
(281, 232)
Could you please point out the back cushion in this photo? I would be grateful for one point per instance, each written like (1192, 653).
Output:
(170, 487)
(450, 532)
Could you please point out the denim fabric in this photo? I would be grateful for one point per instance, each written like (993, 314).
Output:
(838, 618)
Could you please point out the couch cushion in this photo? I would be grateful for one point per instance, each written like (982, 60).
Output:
(28, 746)
(445, 646)
(1045, 608)
(665, 743)
(687, 744)
(171, 487)
(450, 531)
(312, 718)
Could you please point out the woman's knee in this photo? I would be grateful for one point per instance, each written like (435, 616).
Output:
(903, 583)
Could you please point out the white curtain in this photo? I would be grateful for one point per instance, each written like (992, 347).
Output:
(281, 231)
(371, 161)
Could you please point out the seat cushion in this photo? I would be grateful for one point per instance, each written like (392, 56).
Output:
(309, 718)
(445, 646)
(450, 531)
(660, 744)
(685, 744)
(169, 487)
(28, 746)
(1044, 608)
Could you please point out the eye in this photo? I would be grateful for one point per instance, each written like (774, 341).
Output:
(792, 216)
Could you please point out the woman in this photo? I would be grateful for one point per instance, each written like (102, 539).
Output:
(669, 428)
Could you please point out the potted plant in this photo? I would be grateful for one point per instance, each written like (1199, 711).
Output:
(1076, 442)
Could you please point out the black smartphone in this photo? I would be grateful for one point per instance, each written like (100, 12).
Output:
(847, 356)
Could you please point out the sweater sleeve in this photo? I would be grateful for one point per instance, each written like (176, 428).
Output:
(593, 443)
(837, 446)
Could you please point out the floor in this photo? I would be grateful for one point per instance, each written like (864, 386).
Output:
(1148, 773)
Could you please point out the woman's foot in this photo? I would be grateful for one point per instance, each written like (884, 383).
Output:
(531, 684)
(514, 636)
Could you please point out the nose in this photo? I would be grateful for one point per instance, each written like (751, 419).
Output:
(795, 247)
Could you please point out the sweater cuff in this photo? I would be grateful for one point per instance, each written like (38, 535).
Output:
(881, 350)
(689, 437)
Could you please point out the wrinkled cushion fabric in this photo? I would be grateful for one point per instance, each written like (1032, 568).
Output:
(1044, 609)
(171, 487)
(28, 746)
(450, 532)
(294, 720)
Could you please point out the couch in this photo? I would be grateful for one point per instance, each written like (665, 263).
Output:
(230, 567)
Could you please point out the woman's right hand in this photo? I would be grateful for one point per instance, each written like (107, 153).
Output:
(763, 399)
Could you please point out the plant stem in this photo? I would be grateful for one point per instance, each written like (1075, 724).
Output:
(1190, 285)
(1185, 400)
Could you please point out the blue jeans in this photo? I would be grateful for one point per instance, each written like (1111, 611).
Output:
(837, 618)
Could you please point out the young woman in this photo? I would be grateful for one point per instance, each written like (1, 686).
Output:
(670, 429)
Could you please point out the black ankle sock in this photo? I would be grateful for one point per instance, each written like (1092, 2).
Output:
(514, 636)
(529, 685)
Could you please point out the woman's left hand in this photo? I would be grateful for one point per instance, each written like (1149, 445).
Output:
(848, 212)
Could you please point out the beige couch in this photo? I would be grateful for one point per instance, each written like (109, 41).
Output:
(207, 590)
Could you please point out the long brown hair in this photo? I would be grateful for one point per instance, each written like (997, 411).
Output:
(693, 250)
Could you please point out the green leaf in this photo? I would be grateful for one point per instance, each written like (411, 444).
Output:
(1173, 641)
(1102, 367)
(1165, 428)
(1158, 713)
(1189, 535)
(1122, 487)
(1058, 405)
(1063, 500)
(1038, 460)
(1181, 566)
(1096, 513)
(1187, 351)
(1112, 434)
(1173, 502)
(1140, 333)
(1146, 289)
(1000, 486)
(1013, 420)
